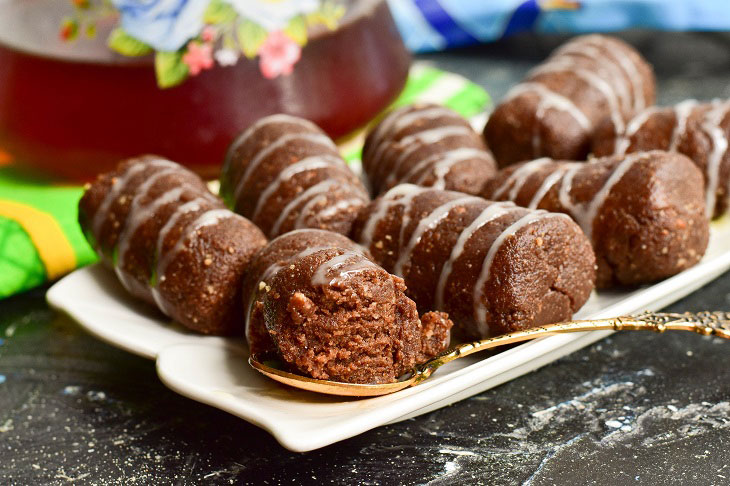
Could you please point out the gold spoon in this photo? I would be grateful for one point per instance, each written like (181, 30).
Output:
(706, 323)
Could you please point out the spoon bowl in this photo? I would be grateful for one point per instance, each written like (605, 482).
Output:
(705, 323)
(327, 386)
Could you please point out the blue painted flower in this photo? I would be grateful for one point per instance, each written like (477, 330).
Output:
(166, 25)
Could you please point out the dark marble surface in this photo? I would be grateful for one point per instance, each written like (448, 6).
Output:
(632, 409)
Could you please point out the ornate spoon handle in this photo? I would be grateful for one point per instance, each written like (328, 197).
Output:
(706, 323)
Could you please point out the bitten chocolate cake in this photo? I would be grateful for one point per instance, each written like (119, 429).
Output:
(555, 110)
(700, 131)
(427, 145)
(171, 242)
(494, 267)
(315, 300)
(643, 212)
(284, 173)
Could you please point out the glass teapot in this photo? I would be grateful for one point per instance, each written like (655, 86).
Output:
(85, 83)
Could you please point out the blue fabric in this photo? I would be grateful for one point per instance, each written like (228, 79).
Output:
(428, 25)
(444, 23)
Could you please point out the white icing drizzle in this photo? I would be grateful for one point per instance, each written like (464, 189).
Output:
(682, 111)
(587, 218)
(428, 113)
(308, 163)
(435, 135)
(594, 81)
(628, 66)
(209, 218)
(517, 179)
(118, 185)
(191, 231)
(491, 213)
(311, 194)
(429, 222)
(480, 309)
(441, 164)
(711, 126)
(443, 167)
(546, 185)
(137, 216)
(548, 99)
(348, 263)
(316, 138)
(551, 99)
(412, 143)
(404, 192)
(306, 210)
(623, 140)
(188, 207)
(384, 127)
(267, 120)
(418, 140)
(585, 213)
(635, 78)
(336, 208)
(402, 117)
(402, 120)
(566, 186)
(613, 69)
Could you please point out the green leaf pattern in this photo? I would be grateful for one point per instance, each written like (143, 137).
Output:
(297, 30)
(170, 69)
(219, 12)
(127, 45)
(251, 37)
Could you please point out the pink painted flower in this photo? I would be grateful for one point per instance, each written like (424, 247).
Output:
(198, 57)
(278, 54)
(209, 33)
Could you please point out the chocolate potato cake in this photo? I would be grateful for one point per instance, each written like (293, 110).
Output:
(427, 145)
(171, 242)
(314, 300)
(555, 110)
(700, 131)
(284, 173)
(643, 212)
(492, 266)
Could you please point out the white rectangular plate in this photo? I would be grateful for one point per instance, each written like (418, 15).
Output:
(214, 370)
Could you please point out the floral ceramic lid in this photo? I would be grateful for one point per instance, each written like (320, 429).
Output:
(190, 36)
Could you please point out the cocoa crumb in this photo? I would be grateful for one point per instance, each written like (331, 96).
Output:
(300, 307)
